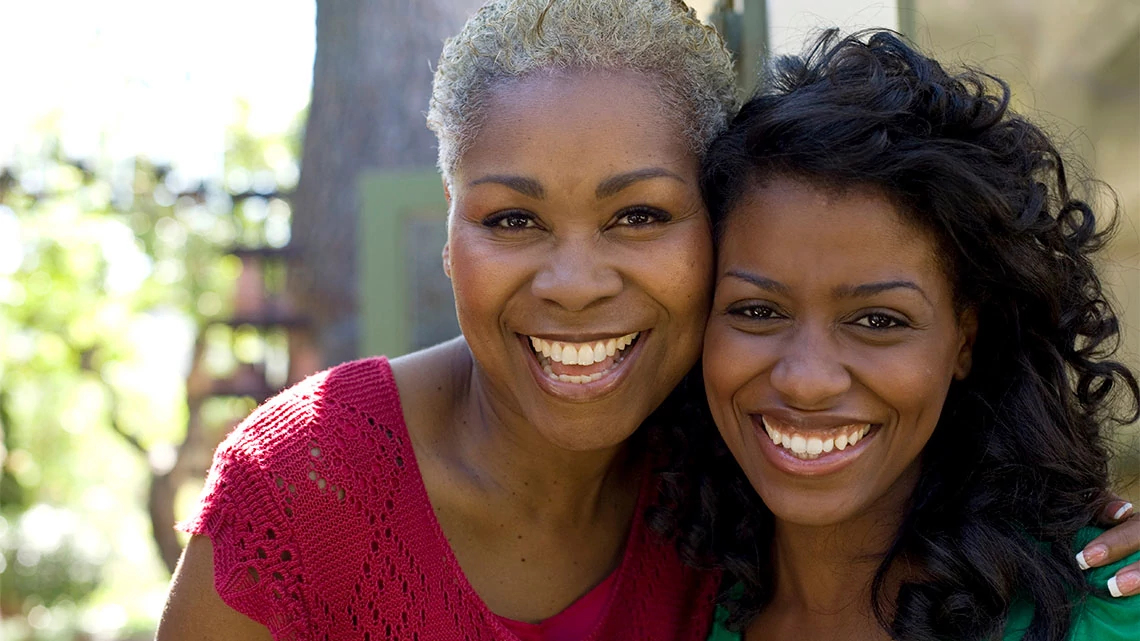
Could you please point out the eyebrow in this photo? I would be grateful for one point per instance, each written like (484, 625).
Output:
(525, 186)
(615, 184)
(870, 289)
(608, 187)
(865, 290)
(760, 281)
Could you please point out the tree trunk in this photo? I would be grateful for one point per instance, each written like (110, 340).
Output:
(371, 84)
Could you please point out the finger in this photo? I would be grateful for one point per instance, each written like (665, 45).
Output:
(1126, 581)
(1113, 545)
(1114, 512)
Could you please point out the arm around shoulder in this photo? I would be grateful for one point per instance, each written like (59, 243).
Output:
(193, 608)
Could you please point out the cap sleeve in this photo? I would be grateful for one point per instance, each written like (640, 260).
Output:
(256, 568)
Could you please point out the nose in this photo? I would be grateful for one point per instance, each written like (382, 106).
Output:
(810, 375)
(577, 274)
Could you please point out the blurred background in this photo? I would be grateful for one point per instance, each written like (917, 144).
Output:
(201, 203)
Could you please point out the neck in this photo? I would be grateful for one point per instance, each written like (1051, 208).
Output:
(509, 457)
(823, 574)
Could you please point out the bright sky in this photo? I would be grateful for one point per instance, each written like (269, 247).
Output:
(151, 77)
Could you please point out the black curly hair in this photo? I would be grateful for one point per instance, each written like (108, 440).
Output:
(1017, 463)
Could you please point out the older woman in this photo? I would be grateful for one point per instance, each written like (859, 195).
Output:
(489, 488)
(910, 357)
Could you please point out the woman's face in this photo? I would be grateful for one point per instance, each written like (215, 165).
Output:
(580, 254)
(831, 345)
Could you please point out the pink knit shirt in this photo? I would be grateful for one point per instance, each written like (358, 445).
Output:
(322, 530)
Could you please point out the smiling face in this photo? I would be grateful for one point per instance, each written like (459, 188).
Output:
(831, 346)
(580, 255)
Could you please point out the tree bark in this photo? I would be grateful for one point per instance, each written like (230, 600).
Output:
(371, 84)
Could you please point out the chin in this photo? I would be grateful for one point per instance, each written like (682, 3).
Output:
(809, 512)
(587, 437)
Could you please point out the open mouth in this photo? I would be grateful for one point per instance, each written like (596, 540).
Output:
(812, 444)
(581, 363)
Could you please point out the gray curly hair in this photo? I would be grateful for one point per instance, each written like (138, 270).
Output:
(509, 39)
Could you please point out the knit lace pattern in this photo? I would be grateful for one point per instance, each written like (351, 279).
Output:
(322, 530)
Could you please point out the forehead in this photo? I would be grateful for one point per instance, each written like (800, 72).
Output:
(591, 121)
(802, 231)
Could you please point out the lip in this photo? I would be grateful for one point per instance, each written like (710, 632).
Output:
(829, 463)
(811, 422)
(582, 392)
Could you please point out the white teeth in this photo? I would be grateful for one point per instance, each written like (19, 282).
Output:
(811, 447)
(799, 444)
(584, 353)
(814, 446)
(577, 379)
(569, 355)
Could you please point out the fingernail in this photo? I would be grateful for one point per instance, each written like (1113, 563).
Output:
(1123, 582)
(1113, 589)
(1124, 509)
(1091, 556)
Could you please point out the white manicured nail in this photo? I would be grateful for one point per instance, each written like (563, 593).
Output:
(1081, 561)
(1124, 509)
(1113, 589)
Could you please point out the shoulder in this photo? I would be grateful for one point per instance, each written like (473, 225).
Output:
(433, 383)
(1098, 616)
(318, 423)
(1103, 617)
(720, 631)
(316, 403)
(446, 365)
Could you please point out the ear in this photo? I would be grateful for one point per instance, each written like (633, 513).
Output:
(446, 246)
(968, 331)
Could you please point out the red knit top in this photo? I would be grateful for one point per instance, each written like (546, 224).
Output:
(322, 529)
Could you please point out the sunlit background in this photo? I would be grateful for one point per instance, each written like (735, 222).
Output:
(149, 157)
(109, 112)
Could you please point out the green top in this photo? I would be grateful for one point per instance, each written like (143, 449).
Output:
(1101, 617)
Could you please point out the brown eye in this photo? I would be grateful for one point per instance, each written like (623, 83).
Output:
(753, 312)
(510, 220)
(640, 216)
(880, 321)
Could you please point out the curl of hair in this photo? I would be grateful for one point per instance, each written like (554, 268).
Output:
(1017, 463)
(510, 39)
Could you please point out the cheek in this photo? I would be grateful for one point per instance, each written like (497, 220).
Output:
(483, 276)
(914, 384)
(680, 273)
(734, 365)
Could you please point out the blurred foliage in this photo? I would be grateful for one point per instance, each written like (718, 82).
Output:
(109, 272)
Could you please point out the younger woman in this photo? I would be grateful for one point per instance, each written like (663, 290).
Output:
(910, 357)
